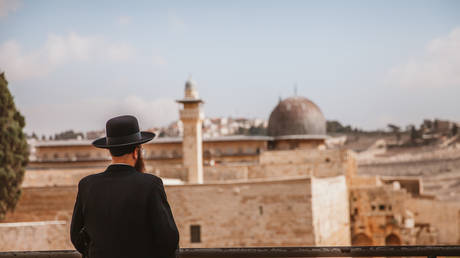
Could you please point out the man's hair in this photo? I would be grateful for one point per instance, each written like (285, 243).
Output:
(120, 151)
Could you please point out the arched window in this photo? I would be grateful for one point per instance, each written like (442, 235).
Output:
(392, 239)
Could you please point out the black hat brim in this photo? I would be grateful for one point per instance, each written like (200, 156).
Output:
(102, 142)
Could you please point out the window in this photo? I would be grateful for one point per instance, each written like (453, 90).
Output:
(195, 233)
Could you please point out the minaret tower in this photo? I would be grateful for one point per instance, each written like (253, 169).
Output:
(192, 146)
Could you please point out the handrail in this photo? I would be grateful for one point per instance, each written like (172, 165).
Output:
(247, 252)
(325, 251)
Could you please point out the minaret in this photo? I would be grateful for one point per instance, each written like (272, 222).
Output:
(192, 119)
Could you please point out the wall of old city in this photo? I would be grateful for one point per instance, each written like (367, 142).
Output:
(378, 212)
(157, 152)
(444, 216)
(330, 209)
(255, 213)
(36, 236)
(41, 220)
(258, 213)
(269, 164)
(298, 144)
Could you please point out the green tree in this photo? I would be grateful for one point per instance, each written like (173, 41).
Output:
(13, 150)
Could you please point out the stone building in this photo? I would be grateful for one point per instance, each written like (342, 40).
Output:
(285, 189)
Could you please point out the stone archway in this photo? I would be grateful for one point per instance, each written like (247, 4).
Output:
(392, 239)
(361, 239)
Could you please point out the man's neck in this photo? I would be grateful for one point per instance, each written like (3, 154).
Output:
(120, 164)
(123, 160)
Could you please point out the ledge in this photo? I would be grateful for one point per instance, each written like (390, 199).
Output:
(331, 251)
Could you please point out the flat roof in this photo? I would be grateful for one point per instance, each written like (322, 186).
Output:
(229, 138)
(302, 137)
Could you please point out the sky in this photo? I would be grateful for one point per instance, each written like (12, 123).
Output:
(75, 64)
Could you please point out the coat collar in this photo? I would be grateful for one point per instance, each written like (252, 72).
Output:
(115, 168)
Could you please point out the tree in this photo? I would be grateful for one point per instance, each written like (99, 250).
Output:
(13, 150)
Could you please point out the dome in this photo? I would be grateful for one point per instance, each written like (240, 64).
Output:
(190, 84)
(190, 89)
(296, 116)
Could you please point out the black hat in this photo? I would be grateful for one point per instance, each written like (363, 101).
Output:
(122, 131)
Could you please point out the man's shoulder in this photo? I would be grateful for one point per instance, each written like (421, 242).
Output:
(85, 180)
(151, 179)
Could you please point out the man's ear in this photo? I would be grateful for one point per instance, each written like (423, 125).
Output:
(135, 153)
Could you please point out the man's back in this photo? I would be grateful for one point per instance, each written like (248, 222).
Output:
(125, 213)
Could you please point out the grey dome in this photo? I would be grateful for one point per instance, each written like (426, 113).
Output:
(296, 116)
(190, 84)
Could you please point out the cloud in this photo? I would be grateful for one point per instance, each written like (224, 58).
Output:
(438, 67)
(18, 64)
(91, 114)
(120, 52)
(9, 6)
(158, 60)
(124, 20)
(58, 50)
(175, 23)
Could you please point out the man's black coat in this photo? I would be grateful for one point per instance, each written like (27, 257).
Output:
(125, 214)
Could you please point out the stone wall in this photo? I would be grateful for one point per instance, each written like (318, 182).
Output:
(56, 177)
(273, 164)
(263, 213)
(321, 163)
(158, 152)
(443, 216)
(258, 213)
(378, 212)
(331, 220)
(44, 204)
(37, 236)
(302, 156)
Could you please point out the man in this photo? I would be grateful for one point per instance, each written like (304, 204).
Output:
(123, 212)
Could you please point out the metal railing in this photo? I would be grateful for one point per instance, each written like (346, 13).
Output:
(331, 251)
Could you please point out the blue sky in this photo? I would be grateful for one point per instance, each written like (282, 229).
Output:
(73, 65)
